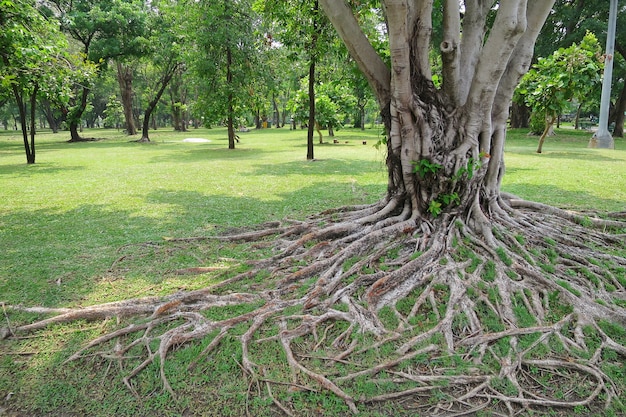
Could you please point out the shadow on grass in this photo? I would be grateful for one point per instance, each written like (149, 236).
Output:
(26, 170)
(326, 166)
(582, 155)
(95, 253)
(54, 258)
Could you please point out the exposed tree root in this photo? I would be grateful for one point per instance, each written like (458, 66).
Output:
(373, 306)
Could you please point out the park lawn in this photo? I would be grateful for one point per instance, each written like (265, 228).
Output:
(83, 226)
(567, 174)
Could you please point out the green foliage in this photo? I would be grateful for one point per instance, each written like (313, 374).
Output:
(223, 56)
(114, 113)
(568, 74)
(425, 168)
(434, 208)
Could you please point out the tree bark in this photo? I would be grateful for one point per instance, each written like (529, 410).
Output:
(310, 151)
(620, 106)
(520, 116)
(19, 100)
(440, 140)
(125, 81)
(549, 123)
(310, 154)
(168, 74)
(232, 137)
(76, 114)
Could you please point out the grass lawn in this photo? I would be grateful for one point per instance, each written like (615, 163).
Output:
(76, 229)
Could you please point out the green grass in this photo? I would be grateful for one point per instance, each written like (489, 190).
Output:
(64, 220)
(567, 174)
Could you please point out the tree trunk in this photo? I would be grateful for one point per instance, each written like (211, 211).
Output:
(311, 126)
(33, 109)
(178, 99)
(229, 84)
(75, 116)
(546, 132)
(125, 80)
(310, 155)
(520, 116)
(444, 147)
(276, 112)
(168, 74)
(19, 100)
(48, 112)
(620, 109)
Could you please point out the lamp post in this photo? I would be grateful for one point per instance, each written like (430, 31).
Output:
(603, 138)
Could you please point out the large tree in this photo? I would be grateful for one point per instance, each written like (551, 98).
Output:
(34, 64)
(447, 291)
(104, 29)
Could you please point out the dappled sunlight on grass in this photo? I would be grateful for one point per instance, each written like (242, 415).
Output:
(100, 221)
(567, 174)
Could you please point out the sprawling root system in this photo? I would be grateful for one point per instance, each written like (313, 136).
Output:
(373, 306)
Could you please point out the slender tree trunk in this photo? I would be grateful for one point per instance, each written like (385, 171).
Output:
(549, 123)
(165, 80)
(310, 155)
(362, 117)
(125, 80)
(75, 116)
(311, 126)
(276, 112)
(620, 109)
(48, 113)
(33, 108)
(19, 100)
(229, 82)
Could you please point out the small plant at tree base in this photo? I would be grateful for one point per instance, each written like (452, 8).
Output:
(423, 168)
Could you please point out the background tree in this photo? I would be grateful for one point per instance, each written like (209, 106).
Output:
(34, 64)
(569, 23)
(104, 29)
(304, 29)
(568, 74)
(224, 57)
(164, 63)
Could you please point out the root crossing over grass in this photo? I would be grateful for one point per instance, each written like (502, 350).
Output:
(372, 307)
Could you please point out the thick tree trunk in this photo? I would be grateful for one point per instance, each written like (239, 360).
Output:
(125, 81)
(520, 116)
(440, 140)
